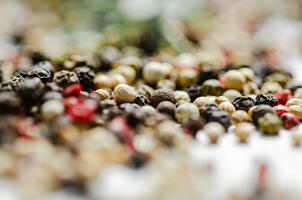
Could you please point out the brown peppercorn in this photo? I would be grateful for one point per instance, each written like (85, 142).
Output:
(228, 107)
(160, 95)
(243, 130)
(221, 99)
(166, 107)
(240, 116)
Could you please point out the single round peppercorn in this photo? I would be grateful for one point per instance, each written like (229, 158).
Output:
(166, 107)
(290, 120)
(124, 93)
(293, 101)
(43, 70)
(279, 77)
(102, 81)
(243, 103)
(145, 90)
(155, 71)
(181, 96)
(240, 116)
(248, 73)
(283, 95)
(194, 91)
(64, 78)
(82, 111)
(73, 90)
(297, 110)
(298, 93)
(160, 95)
(166, 83)
(9, 102)
(243, 131)
(231, 94)
(100, 94)
(128, 72)
(116, 79)
(86, 76)
(214, 131)
(211, 87)
(201, 101)
(185, 112)
(206, 74)
(52, 95)
(233, 79)
(227, 107)
(186, 77)
(221, 117)
(193, 126)
(260, 111)
(250, 88)
(52, 109)
(207, 109)
(270, 87)
(221, 99)
(31, 90)
(266, 99)
(269, 124)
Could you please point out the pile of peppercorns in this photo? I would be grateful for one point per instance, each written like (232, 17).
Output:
(123, 111)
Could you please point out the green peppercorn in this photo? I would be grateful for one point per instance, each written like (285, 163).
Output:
(269, 124)
(211, 87)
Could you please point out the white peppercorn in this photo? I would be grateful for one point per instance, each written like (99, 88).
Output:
(185, 112)
(102, 81)
(298, 93)
(181, 95)
(117, 79)
(297, 110)
(100, 94)
(214, 131)
(221, 99)
(233, 79)
(243, 130)
(248, 73)
(124, 93)
(201, 101)
(128, 72)
(270, 87)
(51, 109)
(240, 116)
(293, 101)
(231, 94)
(228, 107)
(155, 71)
(186, 77)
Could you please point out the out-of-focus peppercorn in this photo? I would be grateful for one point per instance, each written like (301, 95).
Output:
(162, 95)
(73, 90)
(181, 95)
(214, 131)
(221, 117)
(167, 107)
(227, 107)
(231, 94)
(64, 78)
(233, 79)
(280, 109)
(270, 87)
(31, 90)
(269, 124)
(185, 112)
(43, 70)
(166, 83)
(266, 99)
(289, 120)
(9, 102)
(82, 111)
(243, 131)
(243, 103)
(240, 116)
(186, 77)
(194, 91)
(293, 101)
(260, 111)
(211, 87)
(280, 77)
(86, 76)
(283, 95)
(297, 110)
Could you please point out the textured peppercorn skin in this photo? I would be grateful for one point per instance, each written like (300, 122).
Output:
(64, 78)
(86, 76)
(162, 95)
(243, 103)
(194, 91)
(266, 99)
(260, 111)
(31, 91)
(42, 70)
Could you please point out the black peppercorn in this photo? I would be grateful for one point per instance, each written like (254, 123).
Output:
(260, 111)
(15, 81)
(207, 109)
(207, 74)
(142, 100)
(243, 103)
(37, 57)
(9, 102)
(162, 95)
(266, 99)
(194, 91)
(221, 117)
(42, 70)
(193, 126)
(166, 107)
(64, 78)
(6, 86)
(31, 90)
(85, 75)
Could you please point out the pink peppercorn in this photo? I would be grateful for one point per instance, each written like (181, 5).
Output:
(280, 109)
(289, 120)
(73, 90)
(283, 95)
(82, 111)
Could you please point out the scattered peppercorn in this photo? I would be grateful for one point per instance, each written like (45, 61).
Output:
(243, 103)
(266, 99)
(160, 95)
(64, 78)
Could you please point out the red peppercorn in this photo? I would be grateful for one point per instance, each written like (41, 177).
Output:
(83, 111)
(73, 90)
(71, 101)
(280, 109)
(283, 95)
(289, 120)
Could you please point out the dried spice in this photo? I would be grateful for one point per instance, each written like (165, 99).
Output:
(266, 99)
(243, 103)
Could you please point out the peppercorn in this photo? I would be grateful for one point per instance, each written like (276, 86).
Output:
(185, 112)
(243, 103)
(73, 90)
(181, 96)
(297, 110)
(270, 87)
(155, 71)
(240, 116)
(52, 109)
(231, 94)
(279, 77)
(266, 99)
(64, 78)
(298, 93)
(100, 94)
(207, 73)
(186, 77)
(128, 72)
(116, 79)
(166, 83)
(31, 91)
(207, 109)
(43, 70)
(9, 102)
(15, 81)
(260, 111)
(227, 107)
(102, 81)
(248, 73)
(214, 131)
(86, 76)
(243, 130)
(289, 120)
(145, 90)
(283, 95)
(160, 95)
(129, 107)
(193, 126)
(221, 99)
(293, 101)
(52, 95)
(82, 111)
(194, 91)
(221, 117)
(269, 124)
(211, 87)
(124, 93)
(233, 79)
(250, 88)
(142, 100)
(296, 135)
(166, 107)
